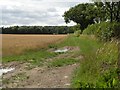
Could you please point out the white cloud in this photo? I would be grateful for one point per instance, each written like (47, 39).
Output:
(34, 12)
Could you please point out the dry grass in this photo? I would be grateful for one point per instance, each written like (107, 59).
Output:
(16, 44)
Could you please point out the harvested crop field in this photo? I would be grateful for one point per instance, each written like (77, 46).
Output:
(16, 44)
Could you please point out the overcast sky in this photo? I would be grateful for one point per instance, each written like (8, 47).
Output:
(35, 12)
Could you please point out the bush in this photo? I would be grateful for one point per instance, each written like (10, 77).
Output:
(104, 30)
(91, 29)
(116, 27)
(77, 33)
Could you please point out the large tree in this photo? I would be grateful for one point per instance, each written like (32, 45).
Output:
(89, 13)
(111, 8)
(83, 14)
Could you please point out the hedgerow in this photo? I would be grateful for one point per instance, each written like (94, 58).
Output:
(105, 31)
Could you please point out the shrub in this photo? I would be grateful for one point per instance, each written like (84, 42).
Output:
(91, 29)
(116, 27)
(77, 33)
(104, 30)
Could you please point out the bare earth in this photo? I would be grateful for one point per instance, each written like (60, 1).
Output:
(40, 77)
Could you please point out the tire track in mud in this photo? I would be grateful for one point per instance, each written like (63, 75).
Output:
(40, 77)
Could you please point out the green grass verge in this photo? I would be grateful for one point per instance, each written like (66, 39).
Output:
(34, 57)
(99, 67)
(86, 43)
(62, 62)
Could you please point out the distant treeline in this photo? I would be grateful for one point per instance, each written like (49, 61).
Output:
(37, 30)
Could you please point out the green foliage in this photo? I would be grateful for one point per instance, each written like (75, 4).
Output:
(62, 62)
(77, 33)
(82, 14)
(36, 58)
(89, 13)
(52, 46)
(91, 29)
(76, 27)
(84, 42)
(99, 69)
(36, 30)
(116, 27)
(111, 10)
(104, 31)
(108, 80)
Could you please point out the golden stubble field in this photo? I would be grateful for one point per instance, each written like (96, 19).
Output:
(17, 44)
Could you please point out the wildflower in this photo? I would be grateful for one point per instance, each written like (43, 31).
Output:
(104, 44)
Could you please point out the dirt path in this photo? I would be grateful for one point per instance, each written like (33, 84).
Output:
(39, 77)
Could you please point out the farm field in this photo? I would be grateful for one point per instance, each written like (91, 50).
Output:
(60, 44)
(81, 66)
(17, 44)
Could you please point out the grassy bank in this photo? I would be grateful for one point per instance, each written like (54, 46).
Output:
(99, 67)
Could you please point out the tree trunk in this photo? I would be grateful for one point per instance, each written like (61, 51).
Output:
(111, 12)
